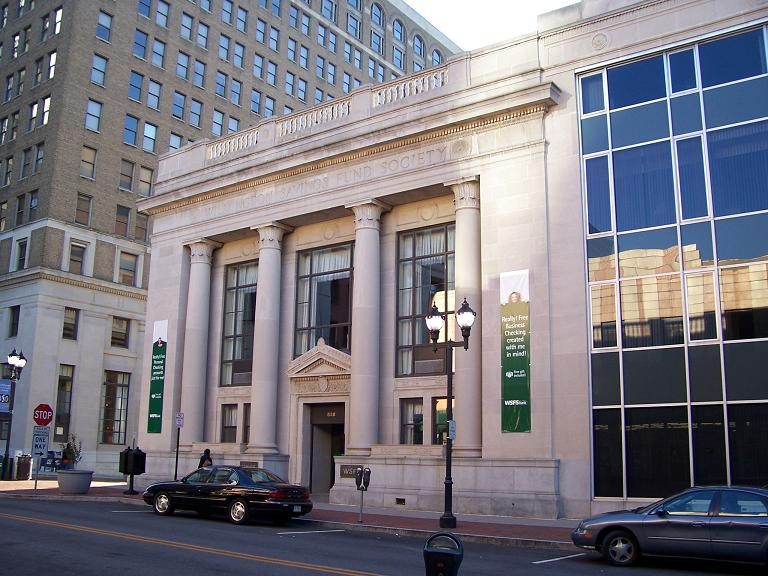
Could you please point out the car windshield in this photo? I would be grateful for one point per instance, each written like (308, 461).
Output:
(260, 475)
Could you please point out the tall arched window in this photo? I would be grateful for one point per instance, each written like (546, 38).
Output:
(377, 15)
(437, 57)
(398, 30)
(418, 46)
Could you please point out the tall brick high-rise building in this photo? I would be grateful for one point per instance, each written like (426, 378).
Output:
(93, 91)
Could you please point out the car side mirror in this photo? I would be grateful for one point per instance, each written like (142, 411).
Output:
(662, 512)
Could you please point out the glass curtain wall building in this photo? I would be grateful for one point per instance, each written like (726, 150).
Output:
(675, 176)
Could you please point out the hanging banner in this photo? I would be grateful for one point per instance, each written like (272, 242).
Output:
(5, 395)
(515, 352)
(157, 377)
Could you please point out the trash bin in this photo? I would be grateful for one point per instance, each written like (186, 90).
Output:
(24, 467)
(443, 554)
(132, 461)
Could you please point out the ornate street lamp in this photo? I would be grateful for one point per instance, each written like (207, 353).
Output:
(17, 363)
(465, 318)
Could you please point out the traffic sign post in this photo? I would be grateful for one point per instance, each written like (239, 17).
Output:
(179, 426)
(43, 414)
(40, 436)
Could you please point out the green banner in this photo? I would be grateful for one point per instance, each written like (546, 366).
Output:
(515, 353)
(156, 387)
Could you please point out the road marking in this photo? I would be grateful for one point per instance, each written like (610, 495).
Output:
(309, 532)
(558, 559)
(130, 511)
(191, 547)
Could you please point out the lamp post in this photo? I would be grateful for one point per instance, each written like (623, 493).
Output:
(435, 321)
(17, 362)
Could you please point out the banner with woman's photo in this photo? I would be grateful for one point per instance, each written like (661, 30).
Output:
(515, 352)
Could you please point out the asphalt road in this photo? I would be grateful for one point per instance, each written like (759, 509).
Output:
(94, 538)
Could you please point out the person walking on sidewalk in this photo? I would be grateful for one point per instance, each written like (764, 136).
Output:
(205, 459)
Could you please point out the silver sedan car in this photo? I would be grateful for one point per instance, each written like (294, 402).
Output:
(717, 522)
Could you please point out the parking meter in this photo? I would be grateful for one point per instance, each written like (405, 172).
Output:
(359, 477)
(366, 478)
(443, 554)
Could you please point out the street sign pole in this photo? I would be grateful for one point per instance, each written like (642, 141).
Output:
(179, 426)
(40, 436)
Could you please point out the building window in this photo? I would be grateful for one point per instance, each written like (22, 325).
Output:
(261, 31)
(21, 254)
(113, 419)
(120, 332)
(437, 57)
(127, 271)
(418, 46)
(52, 64)
(76, 258)
(195, 113)
(241, 22)
(377, 42)
(145, 181)
(272, 73)
(246, 423)
(122, 218)
(126, 175)
(3, 215)
(162, 14)
(98, 70)
(235, 90)
(93, 115)
(324, 298)
(83, 210)
(353, 26)
(142, 222)
(104, 26)
(226, 11)
(440, 420)
(140, 40)
(71, 318)
(411, 421)
(202, 35)
(229, 423)
(238, 58)
(425, 277)
(153, 94)
(221, 84)
(178, 105)
(398, 30)
(674, 350)
(88, 163)
(274, 39)
(158, 53)
(182, 65)
(217, 123)
(149, 142)
(63, 403)
(198, 75)
(255, 101)
(328, 9)
(224, 43)
(14, 314)
(187, 23)
(269, 106)
(239, 310)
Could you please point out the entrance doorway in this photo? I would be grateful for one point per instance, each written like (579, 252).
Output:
(327, 441)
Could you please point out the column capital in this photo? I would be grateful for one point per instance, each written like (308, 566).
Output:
(271, 234)
(201, 250)
(466, 192)
(367, 213)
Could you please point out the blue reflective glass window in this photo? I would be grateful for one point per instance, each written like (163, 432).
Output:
(736, 102)
(686, 114)
(738, 167)
(682, 70)
(732, 58)
(594, 134)
(649, 252)
(598, 195)
(636, 82)
(742, 239)
(592, 93)
(697, 245)
(639, 124)
(644, 187)
(693, 189)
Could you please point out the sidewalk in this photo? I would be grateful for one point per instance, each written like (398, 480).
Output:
(503, 530)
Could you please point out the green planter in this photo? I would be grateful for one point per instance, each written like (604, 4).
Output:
(74, 481)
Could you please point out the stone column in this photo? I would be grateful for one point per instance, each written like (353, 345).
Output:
(366, 320)
(468, 363)
(195, 361)
(266, 338)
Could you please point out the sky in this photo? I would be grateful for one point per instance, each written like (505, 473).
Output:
(487, 22)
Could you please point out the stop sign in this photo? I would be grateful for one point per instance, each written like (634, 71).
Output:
(43, 415)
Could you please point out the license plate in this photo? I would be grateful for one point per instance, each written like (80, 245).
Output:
(297, 508)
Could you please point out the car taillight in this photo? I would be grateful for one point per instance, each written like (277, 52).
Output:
(290, 494)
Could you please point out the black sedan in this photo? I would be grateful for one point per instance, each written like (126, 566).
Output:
(716, 522)
(240, 493)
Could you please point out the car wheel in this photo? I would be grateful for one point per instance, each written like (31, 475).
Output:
(620, 548)
(238, 511)
(162, 504)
